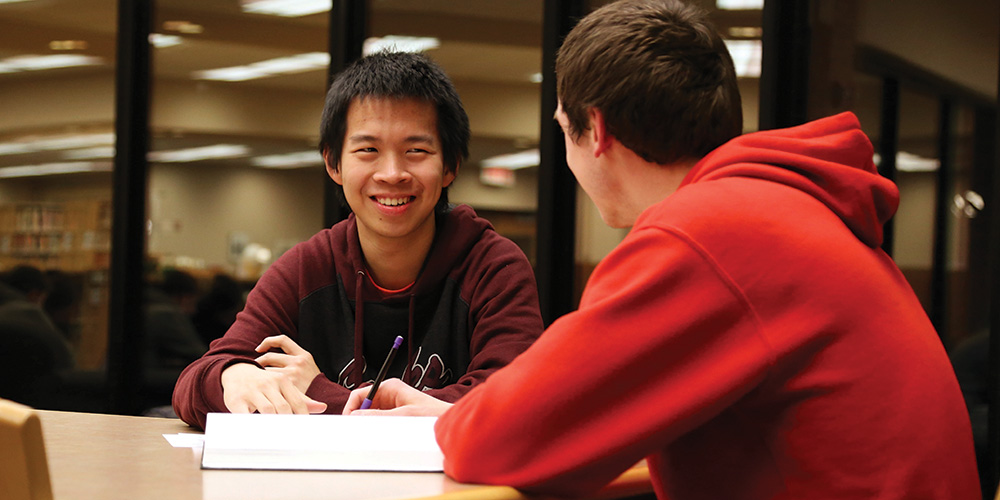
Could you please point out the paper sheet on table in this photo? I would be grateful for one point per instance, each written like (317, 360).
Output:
(185, 440)
(321, 442)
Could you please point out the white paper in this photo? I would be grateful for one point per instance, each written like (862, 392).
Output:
(185, 440)
(321, 442)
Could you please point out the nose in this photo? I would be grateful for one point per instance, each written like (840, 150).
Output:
(392, 169)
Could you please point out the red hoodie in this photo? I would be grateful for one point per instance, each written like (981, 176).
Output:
(748, 338)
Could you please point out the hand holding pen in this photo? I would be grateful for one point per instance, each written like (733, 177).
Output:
(381, 373)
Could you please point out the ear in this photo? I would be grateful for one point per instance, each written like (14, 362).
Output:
(449, 176)
(332, 169)
(600, 138)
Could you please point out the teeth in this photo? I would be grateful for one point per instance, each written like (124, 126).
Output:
(393, 202)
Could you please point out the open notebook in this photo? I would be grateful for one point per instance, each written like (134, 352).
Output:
(321, 442)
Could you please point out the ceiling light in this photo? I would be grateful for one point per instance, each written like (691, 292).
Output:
(746, 57)
(75, 141)
(535, 78)
(393, 43)
(513, 161)
(745, 31)
(289, 160)
(55, 143)
(90, 153)
(54, 168)
(909, 162)
(217, 151)
(37, 63)
(270, 67)
(186, 27)
(68, 45)
(740, 4)
(160, 41)
(13, 1)
(286, 8)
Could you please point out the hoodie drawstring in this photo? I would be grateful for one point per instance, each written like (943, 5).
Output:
(359, 329)
(409, 340)
(359, 332)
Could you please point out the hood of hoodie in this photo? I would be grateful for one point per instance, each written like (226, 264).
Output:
(456, 231)
(830, 159)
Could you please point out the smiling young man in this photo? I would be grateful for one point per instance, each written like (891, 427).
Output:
(323, 317)
(749, 339)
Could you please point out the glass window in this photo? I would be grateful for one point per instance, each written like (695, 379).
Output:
(917, 177)
(57, 73)
(235, 177)
(966, 307)
(492, 52)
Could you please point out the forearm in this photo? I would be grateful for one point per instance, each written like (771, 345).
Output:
(198, 391)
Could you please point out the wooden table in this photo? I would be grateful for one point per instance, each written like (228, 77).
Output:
(111, 457)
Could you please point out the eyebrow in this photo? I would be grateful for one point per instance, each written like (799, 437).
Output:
(361, 138)
(427, 139)
(421, 138)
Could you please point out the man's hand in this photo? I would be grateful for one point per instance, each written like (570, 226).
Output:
(394, 397)
(246, 389)
(295, 363)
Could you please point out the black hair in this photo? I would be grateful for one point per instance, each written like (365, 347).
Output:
(397, 75)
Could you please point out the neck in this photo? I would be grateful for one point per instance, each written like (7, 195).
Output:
(646, 184)
(394, 263)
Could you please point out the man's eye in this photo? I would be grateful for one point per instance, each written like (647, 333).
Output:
(418, 150)
(366, 150)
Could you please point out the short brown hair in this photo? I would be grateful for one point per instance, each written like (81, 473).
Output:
(659, 73)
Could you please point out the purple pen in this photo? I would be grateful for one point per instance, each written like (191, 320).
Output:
(367, 403)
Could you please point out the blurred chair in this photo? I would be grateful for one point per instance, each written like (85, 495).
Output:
(24, 471)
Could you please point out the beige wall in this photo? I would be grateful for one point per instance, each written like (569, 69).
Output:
(195, 208)
(958, 39)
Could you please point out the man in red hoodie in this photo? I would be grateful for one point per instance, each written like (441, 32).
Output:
(748, 338)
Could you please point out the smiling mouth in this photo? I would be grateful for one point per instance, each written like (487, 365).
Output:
(394, 202)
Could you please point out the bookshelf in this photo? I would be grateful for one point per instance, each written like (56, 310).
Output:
(73, 237)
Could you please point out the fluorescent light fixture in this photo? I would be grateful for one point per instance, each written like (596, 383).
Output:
(217, 151)
(13, 1)
(513, 161)
(745, 31)
(394, 43)
(56, 143)
(54, 168)
(286, 8)
(535, 78)
(288, 160)
(740, 4)
(271, 67)
(160, 40)
(181, 26)
(14, 148)
(746, 57)
(99, 152)
(909, 162)
(38, 63)
(75, 141)
(68, 45)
